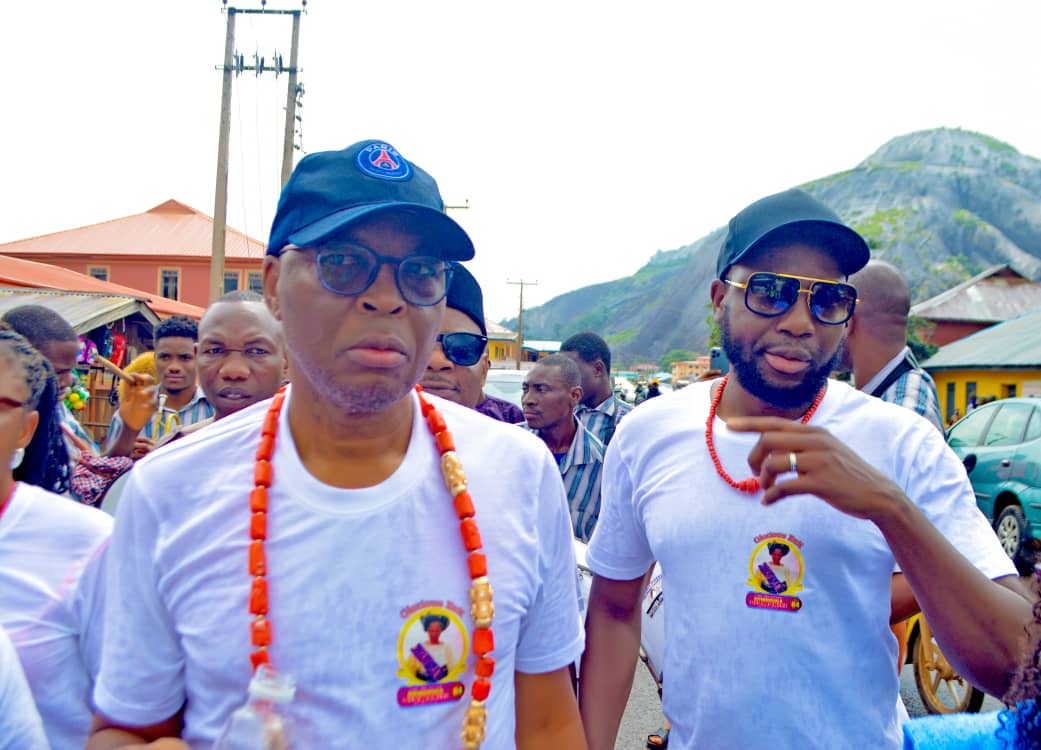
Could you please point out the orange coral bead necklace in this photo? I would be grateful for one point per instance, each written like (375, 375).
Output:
(751, 484)
(481, 606)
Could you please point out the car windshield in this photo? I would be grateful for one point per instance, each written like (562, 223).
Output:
(505, 385)
(968, 431)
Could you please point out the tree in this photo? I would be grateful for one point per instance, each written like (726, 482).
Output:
(917, 331)
(713, 328)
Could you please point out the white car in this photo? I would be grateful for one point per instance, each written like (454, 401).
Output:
(505, 384)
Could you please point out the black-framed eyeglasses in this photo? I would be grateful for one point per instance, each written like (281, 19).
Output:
(349, 269)
(772, 294)
(462, 347)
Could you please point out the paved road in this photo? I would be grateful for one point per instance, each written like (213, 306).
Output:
(643, 713)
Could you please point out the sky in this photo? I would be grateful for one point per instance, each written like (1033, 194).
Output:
(583, 136)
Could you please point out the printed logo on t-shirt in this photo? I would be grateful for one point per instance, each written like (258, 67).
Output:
(775, 571)
(432, 650)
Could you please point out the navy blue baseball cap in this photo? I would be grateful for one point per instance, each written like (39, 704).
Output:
(792, 216)
(464, 295)
(329, 190)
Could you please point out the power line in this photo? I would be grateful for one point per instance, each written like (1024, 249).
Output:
(520, 315)
(235, 63)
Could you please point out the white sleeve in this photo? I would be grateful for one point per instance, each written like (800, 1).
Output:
(618, 549)
(142, 666)
(88, 607)
(20, 724)
(551, 634)
(937, 482)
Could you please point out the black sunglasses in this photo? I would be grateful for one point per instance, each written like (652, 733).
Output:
(462, 348)
(349, 269)
(772, 294)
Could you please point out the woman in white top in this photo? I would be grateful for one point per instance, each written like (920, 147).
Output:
(51, 553)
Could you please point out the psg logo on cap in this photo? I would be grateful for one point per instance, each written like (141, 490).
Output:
(383, 161)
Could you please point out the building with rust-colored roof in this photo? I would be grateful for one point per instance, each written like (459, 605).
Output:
(998, 294)
(28, 274)
(164, 251)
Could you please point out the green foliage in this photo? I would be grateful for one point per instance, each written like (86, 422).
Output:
(620, 338)
(676, 355)
(967, 219)
(880, 225)
(994, 144)
(917, 330)
(713, 329)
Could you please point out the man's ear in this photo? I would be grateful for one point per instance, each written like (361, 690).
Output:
(717, 291)
(484, 364)
(272, 268)
(576, 396)
(600, 368)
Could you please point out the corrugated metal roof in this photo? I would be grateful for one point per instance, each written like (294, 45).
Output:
(84, 311)
(171, 228)
(496, 331)
(28, 273)
(1014, 344)
(541, 345)
(997, 294)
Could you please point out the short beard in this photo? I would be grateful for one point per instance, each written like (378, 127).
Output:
(351, 401)
(746, 369)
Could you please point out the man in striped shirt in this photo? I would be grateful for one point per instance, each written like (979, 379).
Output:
(600, 410)
(551, 392)
(181, 400)
(876, 343)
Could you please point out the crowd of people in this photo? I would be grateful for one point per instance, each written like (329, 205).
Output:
(314, 485)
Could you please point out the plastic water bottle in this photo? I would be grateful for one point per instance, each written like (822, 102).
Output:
(261, 724)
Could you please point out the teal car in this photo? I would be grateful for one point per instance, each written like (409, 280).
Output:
(1000, 445)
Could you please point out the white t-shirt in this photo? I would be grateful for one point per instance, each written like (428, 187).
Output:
(755, 659)
(356, 579)
(20, 725)
(52, 552)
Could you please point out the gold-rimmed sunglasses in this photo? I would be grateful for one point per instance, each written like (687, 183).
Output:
(772, 294)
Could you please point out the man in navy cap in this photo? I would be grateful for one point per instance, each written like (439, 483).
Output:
(459, 363)
(323, 529)
(709, 479)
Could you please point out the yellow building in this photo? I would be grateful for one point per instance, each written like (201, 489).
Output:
(689, 370)
(502, 345)
(998, 362)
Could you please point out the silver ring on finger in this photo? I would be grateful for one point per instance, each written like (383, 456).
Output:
(793, 462)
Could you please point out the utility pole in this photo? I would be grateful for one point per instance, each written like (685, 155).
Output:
(520, 316)
(291, 94)
(220, 198)
(235, 63)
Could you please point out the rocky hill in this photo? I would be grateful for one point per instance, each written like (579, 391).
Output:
(940, 204)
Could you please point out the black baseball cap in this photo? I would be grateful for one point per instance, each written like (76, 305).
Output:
(464, 295)
(329, 190)
(792, 214)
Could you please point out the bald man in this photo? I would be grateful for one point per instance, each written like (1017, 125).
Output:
(242, 357)
(876, 343)
(877, 354)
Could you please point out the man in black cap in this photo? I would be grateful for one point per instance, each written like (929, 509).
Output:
(459, 363)
(323, 528)
(706, 480)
